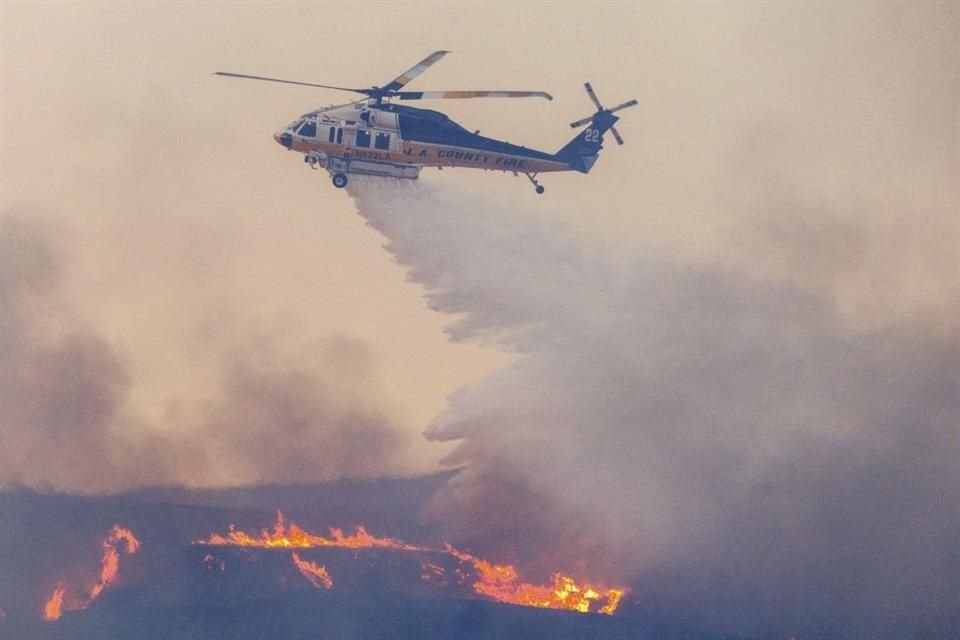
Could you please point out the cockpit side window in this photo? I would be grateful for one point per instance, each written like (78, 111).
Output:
(331, 134)
(309, 129)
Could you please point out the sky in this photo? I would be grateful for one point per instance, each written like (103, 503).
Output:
(749, 305)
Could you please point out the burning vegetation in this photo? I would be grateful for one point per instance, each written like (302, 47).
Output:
(498, 582)
(316, 574)
(63, 600)
(446, 567)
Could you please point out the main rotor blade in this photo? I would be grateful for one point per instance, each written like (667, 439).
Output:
(593, 96)
(305, 84)
(448, 95)
(580, 123)
(414, 71)
(337, 106)
(616, 135)
(628, 103)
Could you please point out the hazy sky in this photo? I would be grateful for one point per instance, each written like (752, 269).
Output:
(187, 233)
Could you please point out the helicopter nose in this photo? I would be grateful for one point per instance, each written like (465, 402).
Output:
(283, 138)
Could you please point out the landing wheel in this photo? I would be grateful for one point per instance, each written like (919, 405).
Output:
(532, 177)
(339, 180)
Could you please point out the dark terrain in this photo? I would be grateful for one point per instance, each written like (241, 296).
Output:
(167, 590)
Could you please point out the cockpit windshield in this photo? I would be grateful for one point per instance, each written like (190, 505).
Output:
(308, 129)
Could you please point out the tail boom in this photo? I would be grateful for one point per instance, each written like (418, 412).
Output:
(582, 152)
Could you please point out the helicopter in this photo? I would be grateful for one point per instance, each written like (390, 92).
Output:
(376, 136)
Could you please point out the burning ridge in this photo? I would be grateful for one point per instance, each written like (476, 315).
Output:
(498, 582)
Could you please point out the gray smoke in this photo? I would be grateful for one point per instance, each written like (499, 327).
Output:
(736, 448)
(67, 421)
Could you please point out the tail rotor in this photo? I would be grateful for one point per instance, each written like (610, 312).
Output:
(601, 109)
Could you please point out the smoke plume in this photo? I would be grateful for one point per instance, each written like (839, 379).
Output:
(736, 447)
(271, 415)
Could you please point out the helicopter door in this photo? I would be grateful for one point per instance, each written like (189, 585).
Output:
(335, 134)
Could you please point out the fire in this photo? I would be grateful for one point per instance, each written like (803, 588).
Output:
(293, 536)
(316, 574)
(51, 610)
(613, 601)
(499, 582)
(502, 583)
(109, 567)
(110, 564)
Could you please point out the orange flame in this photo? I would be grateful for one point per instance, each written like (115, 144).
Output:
(316, 574)
(500, 582)
(283, 535)
(51, 610)
(110, 564)
(109, 567)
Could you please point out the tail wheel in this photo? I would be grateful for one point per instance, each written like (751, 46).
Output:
(339, 180)
(540, 188)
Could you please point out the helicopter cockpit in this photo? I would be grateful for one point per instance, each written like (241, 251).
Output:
(303, 126)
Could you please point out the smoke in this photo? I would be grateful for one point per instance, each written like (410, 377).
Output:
(737, 447)
(70, 421)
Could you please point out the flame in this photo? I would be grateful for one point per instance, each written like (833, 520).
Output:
(283, 535)
(502, 583)
(51, 610)
(109, 567)
(499, 582)
(613, 601)
(316, 574)
(110, 564)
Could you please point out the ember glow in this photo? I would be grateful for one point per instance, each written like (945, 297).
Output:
(60, 601)
(499, 582)
(211, 563)
(316, 574)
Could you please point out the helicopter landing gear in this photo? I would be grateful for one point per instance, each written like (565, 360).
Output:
(339, 180)
(532, 177)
